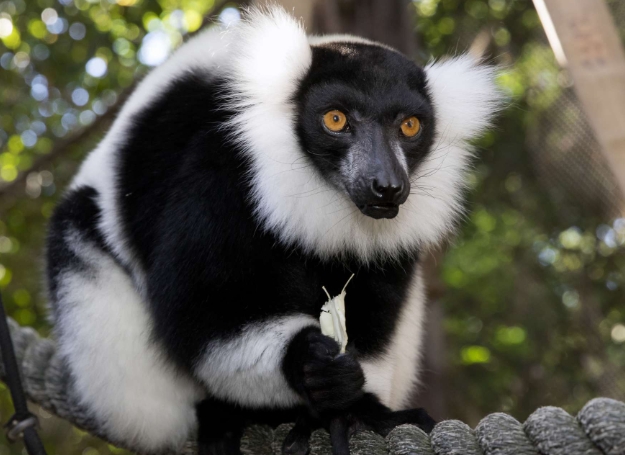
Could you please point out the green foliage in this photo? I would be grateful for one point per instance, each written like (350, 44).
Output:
(534, 299)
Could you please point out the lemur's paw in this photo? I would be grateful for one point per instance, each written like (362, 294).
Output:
(333, 384)
(370, 413)
(328, 380)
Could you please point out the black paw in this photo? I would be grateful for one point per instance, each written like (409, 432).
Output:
(328, 380)
(369, 412)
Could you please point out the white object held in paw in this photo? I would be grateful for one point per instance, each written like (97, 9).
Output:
(332, 317)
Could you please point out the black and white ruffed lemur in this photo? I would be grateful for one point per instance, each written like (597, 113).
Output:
(256, 165)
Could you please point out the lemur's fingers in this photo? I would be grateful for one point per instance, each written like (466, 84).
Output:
(330, 382)
(339, 435)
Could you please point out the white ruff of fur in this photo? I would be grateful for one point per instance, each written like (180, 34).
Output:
(272, 54)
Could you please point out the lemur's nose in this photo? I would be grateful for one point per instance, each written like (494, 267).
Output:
(388, 189)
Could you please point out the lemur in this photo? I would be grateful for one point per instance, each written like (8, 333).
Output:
(186, 261)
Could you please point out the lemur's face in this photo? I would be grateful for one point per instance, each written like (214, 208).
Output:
(366, 121)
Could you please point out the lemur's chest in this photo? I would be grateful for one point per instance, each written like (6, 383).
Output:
(376, 296)
(384, 310)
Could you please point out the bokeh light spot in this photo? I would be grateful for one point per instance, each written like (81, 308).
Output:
(6, 27)
(229, 16)
(86, 117)
(96, 67)
(618, 333)
(77, 31)
(193, 20)
(80, 96)
(49, 16)
(475, 354)
(29, 138)
(21, 60)
(155, 48)
(39, 92)
(8, 174)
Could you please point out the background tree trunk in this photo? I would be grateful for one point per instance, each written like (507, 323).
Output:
(387, 21)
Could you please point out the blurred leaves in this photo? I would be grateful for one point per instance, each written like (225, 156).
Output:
(534, 310)
(65, 65)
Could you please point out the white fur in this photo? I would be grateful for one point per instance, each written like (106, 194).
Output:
(247, 369)
(465, 97)
(119, 372)
(293, 200)
(392, 376)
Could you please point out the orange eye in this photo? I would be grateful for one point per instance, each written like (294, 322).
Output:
(411, 126)
(335, 120)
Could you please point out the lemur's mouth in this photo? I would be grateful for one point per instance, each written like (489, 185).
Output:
(380, 210)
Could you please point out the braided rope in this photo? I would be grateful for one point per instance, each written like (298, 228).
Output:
(598, 429)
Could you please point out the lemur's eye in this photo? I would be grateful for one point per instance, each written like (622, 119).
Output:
(411, 126)
(335, 120)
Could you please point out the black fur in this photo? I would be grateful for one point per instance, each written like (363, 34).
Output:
(77, 214)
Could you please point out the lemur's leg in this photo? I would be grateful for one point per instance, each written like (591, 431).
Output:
(220, 426)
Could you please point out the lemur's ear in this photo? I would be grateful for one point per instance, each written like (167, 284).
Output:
(270, 54)
(465, 96)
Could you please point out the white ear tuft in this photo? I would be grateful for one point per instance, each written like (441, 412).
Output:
(271, 53)
(465, 97)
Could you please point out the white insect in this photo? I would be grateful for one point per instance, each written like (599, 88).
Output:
(332, 317)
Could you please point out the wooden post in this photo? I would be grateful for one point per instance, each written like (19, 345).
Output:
(586, 41)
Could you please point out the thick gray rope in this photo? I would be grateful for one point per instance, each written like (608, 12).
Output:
(598, 429)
